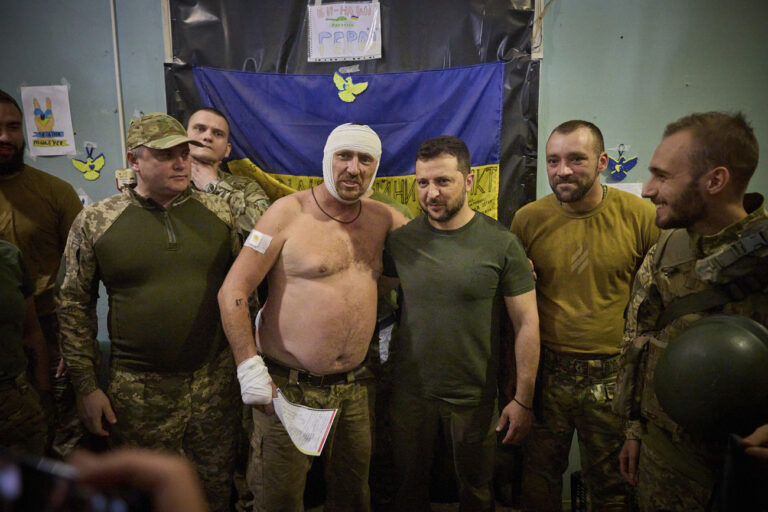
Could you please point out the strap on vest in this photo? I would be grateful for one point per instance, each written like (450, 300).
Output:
(720, 294)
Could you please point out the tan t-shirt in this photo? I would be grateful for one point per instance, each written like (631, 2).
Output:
(36, 211)
(585, 264)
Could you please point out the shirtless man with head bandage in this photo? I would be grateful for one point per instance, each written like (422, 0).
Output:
(320, 251)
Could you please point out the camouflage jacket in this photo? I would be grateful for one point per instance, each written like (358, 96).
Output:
(666, 274)
(246, 199)
(161, 268)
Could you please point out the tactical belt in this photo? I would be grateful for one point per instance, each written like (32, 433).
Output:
(599, 368)
(356, 374)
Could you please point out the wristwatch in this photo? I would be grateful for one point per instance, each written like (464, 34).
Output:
(211, 187)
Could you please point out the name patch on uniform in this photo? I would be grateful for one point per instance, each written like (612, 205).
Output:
(258, 241)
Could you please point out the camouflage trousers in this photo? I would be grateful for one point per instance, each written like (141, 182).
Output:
(196, 414)
(674, 474)
(278, 470)
(469, 434)
(576, 398)
(66, 430)
(23, 425)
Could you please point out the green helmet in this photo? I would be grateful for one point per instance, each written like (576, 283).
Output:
(713, 378)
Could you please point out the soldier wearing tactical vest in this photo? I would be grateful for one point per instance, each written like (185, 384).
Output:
(711, 260)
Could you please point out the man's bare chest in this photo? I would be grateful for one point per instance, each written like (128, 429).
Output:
(318, 250)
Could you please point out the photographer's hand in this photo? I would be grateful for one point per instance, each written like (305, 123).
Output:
(170, 479)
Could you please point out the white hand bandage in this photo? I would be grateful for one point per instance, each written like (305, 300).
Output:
(254, 381)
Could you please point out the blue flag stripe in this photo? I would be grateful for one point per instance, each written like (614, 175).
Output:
(281, 121)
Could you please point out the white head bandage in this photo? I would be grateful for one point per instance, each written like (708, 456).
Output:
(356, 137)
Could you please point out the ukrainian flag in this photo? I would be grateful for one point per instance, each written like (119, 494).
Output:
(279, 123)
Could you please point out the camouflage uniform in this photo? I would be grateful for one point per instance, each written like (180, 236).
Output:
(247, 201)
(245, 197)
(678, 469)
(277, 470)
(172, 373)
(193, 413)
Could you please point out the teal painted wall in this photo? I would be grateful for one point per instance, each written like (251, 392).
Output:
(47, 42)
(633, 66)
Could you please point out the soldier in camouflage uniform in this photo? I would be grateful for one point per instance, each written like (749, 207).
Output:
(586, 242)
(247, 201)
(245, 197)
(699, 175)
(162, 251)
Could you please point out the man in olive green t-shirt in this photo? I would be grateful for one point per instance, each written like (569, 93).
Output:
(460, 271)
(586, 241)
(36, 211)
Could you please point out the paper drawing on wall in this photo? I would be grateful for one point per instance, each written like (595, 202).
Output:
(348, 90)
(48, 120)
(618, 169)
(90, 167)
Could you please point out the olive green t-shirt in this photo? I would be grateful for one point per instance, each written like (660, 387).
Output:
(447, 342)
(584, 265)
(36, 212)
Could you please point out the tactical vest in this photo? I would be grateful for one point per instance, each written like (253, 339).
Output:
(732, 280)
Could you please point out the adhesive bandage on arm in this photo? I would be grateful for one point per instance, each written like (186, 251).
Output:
(258, 241)
(255, 381)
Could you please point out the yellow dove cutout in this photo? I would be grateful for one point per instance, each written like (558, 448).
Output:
(348, 90)
(90, 167)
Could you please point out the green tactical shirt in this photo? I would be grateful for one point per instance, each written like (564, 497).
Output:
(162, 270)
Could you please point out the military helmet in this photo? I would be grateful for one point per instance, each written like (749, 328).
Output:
(713, 378)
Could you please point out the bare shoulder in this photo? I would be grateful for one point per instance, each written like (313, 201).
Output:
(281, 213)
(384, 215)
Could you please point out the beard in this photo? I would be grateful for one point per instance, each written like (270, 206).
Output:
(349, 195)
(450, 210)
(14, 163)
(583, 185)
(686, 210)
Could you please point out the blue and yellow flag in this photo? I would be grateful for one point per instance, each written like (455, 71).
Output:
(279, 123)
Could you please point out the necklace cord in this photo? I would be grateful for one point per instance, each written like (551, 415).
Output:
(359, 210)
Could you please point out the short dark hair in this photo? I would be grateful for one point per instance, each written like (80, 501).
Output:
(574, 124)
(720, 139)
(212, 110)
(445, 145)
(7, 98)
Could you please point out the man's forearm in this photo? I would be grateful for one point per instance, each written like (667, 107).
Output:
(236, 320)
(527, 361)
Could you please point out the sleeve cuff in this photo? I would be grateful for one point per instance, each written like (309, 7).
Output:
(633, 429)
(84, 382)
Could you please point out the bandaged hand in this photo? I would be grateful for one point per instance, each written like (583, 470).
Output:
(255, 382)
